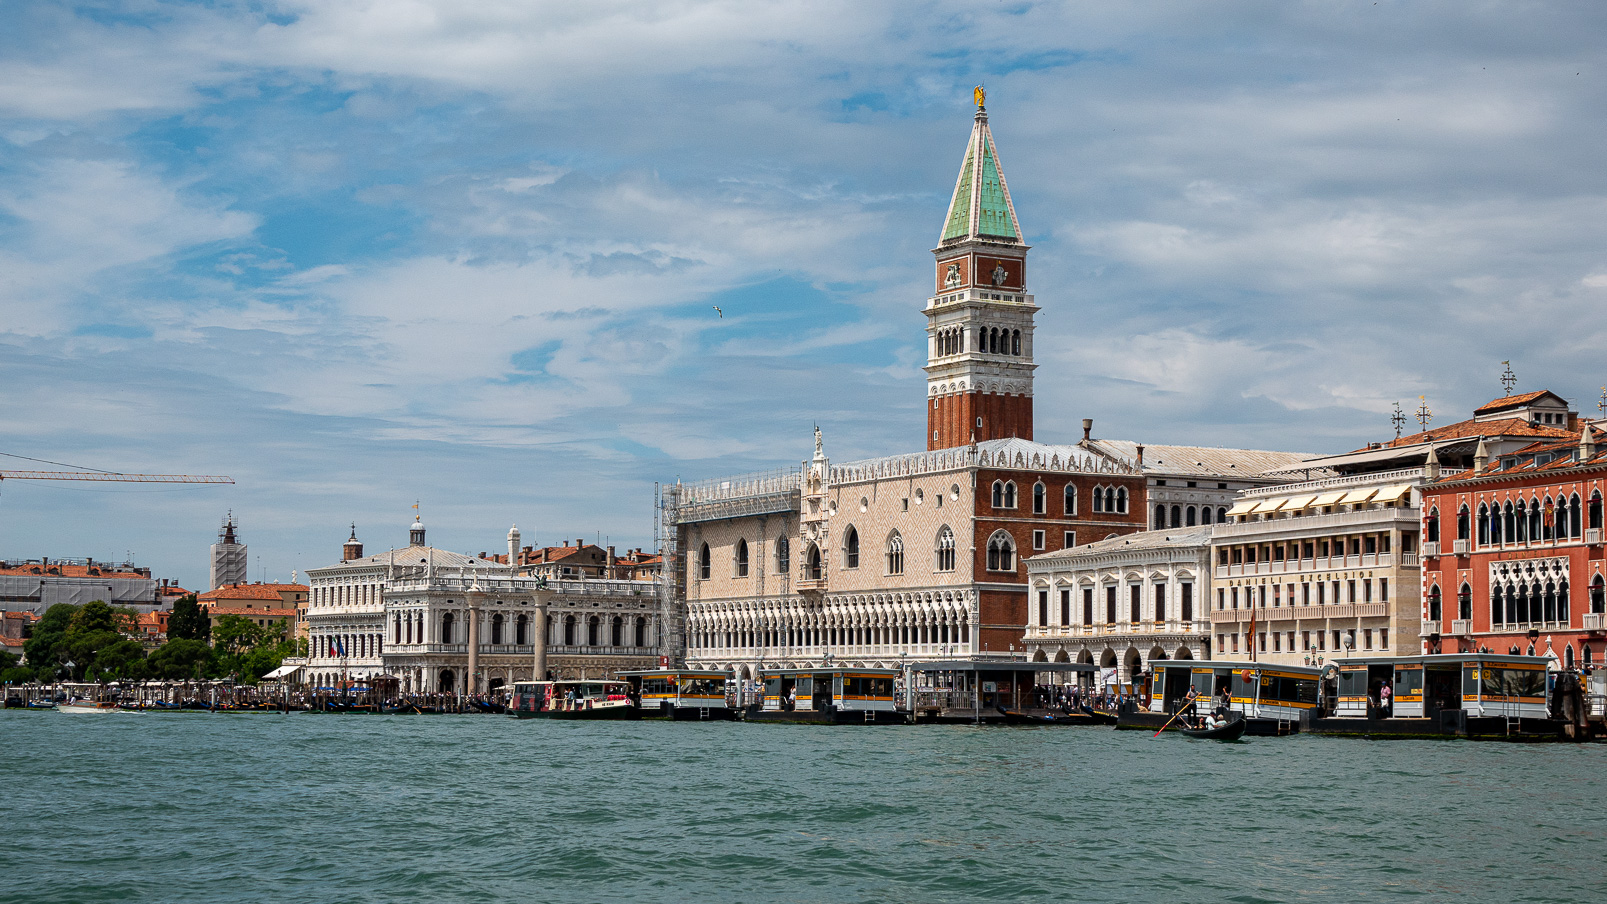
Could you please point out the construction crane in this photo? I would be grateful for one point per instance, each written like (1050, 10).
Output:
(113, 476)
(83, 473)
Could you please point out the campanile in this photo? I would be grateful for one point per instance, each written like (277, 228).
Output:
(979, 321)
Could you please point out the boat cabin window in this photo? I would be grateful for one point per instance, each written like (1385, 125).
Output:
(703, 687)
(867, 686)
(772, 685)
(1499, 682)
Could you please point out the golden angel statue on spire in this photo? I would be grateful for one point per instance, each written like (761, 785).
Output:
(979, 95)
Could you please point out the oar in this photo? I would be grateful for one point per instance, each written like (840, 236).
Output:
(1171, 720)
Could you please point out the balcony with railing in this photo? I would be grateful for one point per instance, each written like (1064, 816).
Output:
(1319, 525)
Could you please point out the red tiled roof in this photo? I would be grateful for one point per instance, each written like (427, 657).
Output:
(1513, 427)
(250, 592)
(73, 571)
(11, 641)
(1510, 401)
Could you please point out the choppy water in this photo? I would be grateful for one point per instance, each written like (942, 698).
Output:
(303, 807)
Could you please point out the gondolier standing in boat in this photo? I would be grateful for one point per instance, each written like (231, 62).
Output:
(1191, 711)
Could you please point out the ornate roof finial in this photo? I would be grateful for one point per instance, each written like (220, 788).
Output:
(1424, 415)
(1508, 378)
(1398, 419)
(1601, 406)
(980, 95)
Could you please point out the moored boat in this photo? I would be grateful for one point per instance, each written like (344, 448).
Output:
(831, 694)
(572, 700)
(694, 694)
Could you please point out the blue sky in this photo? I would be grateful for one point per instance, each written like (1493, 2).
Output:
(361, 254)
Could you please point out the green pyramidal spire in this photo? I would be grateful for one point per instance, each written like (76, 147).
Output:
(981, 207)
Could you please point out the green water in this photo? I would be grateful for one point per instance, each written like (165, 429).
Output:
(303, 807)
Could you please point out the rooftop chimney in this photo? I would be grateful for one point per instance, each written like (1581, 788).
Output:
(1087, 429)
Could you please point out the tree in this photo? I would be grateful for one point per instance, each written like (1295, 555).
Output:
(182, 659)
(188, 621)
(235, 634)
(47, 649)
(119, 659)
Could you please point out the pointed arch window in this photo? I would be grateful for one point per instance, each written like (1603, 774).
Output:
(1598, 595)
(704, 562)
(998, 494)
(1040, 499)
(1001, 552)
(1574, 519)
(1484, 525)
(851, 547)
(945, 549)
(783, 554)
(742, 558)
(1121, 500)
(1434, 613)
(1099, 499)
(895, 554)
(1464, 602)
(1595, 510)
(1462, 525)
(1009, 494)
(1071, 498)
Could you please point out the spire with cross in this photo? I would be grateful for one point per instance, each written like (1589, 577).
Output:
(1398, 419)
(1508, 378)
(1424, 415)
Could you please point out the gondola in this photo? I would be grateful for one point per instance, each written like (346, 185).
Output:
(1099, 716)
(1229, 732)
(1016, 717)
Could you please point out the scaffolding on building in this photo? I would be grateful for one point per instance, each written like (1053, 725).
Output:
(671, 591)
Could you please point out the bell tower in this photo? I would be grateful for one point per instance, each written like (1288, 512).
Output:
(979, 321)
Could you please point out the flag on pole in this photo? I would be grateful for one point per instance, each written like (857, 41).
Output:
(1251, 638)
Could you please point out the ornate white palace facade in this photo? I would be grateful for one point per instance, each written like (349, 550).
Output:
(405, 613)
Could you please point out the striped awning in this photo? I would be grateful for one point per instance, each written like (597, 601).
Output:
(1393, 493)
(1243, 507)
(1328, 499)
(1358, 496)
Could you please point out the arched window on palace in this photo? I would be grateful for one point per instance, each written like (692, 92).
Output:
(1434, 613)
(1001, 552)
(1484, 525)
(616, 634)
(1191, 516)
(703, 562)
(1462, 525)
(1099, 499)
(1595, 510)
(521, 630)
(1121, 501)
(1431, 526)
(446, 627)
(945, 549)
(593, 631)
(641, 631)
(998, 494)
(895, 554)
(496, 628)
(1598, 595)
(1040, 499)
(1160, 517)
(742, 558)
(812, 563)
(851, 547)
(1177, 516)
(569, 630)
(1464, 602)
(1071, 499)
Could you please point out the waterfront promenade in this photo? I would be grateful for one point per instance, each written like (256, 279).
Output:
(238, 808)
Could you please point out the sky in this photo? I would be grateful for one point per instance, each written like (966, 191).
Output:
(362, 255)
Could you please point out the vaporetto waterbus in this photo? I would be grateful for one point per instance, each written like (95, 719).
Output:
(571, 700)
(680, 693)
(1440, 695)
(827, 694)
(1275, 699)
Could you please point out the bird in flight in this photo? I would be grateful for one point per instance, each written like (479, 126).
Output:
(718, 311)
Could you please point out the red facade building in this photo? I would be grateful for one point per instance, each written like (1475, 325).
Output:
(1513, 555)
